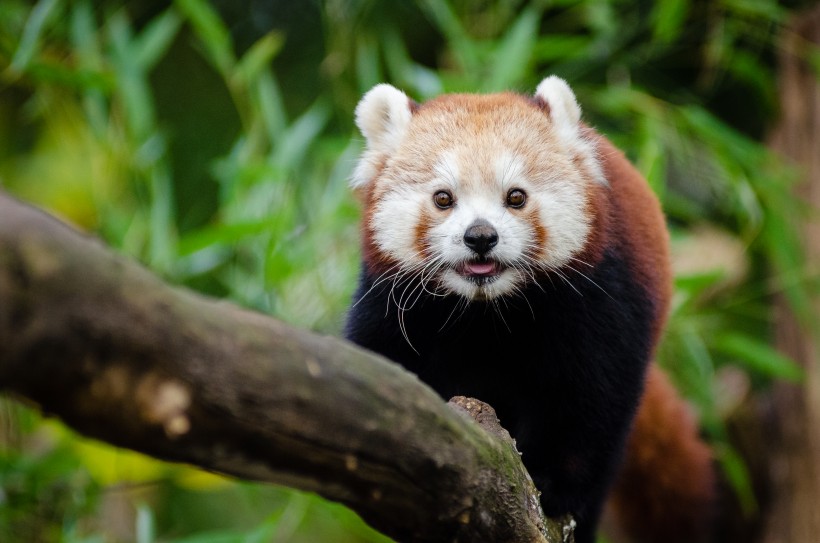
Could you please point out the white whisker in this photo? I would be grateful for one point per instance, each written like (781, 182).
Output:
(593, 282)
(500, 313)
(459, 303)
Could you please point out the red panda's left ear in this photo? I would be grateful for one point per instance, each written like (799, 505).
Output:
(563, 108)
(383, 116)
(565, 114)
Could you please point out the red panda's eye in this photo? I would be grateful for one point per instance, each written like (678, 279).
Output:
(516, 198)
(443, 199)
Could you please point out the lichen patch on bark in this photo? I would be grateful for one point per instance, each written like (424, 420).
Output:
(164, 401)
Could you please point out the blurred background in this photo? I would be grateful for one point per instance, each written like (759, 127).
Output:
(213, 140)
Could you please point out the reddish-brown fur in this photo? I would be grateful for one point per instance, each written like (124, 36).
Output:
(636, 212)
(666, 487)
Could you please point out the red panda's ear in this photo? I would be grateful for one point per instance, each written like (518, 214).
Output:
(563, 108)
(383, 115)
(559, 102)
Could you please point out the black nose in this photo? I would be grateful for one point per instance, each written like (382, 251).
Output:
(481, 237)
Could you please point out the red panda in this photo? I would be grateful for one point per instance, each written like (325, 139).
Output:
(512, 254)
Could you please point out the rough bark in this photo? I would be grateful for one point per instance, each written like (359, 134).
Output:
(100, 342)
(794, 474)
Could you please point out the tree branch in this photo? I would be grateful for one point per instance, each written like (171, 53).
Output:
(100, 342)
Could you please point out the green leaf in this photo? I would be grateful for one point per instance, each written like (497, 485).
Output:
(698, 370)
(85, 35)
(652, 154)
(295, 142)
(163, 241)
(211, 31)
(40, 15)
(259, 56)
(368, 68)
(736, 472)
(132, 85)
(768, 11)
(223, 234)
(77, 78)
(512, 57)
(156, 38)
(668, 19)
(405, 71)
(270, 105)
(697, 283)
(441, 13)
(554, 47)
(758, 356)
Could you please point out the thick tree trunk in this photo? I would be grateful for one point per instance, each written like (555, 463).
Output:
(106, 346)
(794, 515)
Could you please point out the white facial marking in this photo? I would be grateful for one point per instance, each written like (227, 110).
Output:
(446, 170)
(559, 205)
(478, 152)
(481, 199)
(395, 220)
(509, 168)
(561, 210)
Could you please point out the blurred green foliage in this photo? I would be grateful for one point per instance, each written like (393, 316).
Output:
(213, 141)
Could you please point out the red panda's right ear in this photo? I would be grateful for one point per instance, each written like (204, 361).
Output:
(383, 115)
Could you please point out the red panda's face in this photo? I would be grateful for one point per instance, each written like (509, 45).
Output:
(476, 195)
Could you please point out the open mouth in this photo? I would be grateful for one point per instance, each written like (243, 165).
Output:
(480, 271)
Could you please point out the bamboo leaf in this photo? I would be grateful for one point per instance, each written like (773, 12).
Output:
(154, 41)
(463, 47)
(259, 56)
(85, 35)
(211, 31)
(736, 472)
(40, 15)
(554, 47)
(668, 18)
(294, 143)
(132, 86)
(368, 67)
(270, 105)
(512, 57)
(756, 355)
